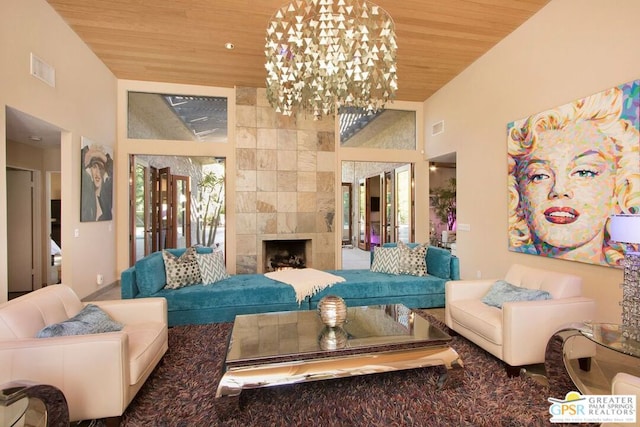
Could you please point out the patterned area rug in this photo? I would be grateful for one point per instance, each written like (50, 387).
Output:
(181, 392)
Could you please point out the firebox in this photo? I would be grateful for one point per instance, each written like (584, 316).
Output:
(283, 254)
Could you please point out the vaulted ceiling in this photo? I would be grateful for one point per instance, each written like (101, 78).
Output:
(183, 41)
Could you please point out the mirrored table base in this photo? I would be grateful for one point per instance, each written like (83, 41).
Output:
(235, 380)
(29, 404)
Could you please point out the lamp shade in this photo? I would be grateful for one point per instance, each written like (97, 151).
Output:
(625, 228)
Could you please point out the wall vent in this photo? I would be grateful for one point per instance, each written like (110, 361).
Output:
(43, 71)
(437, 128)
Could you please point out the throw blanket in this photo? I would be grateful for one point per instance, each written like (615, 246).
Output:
(305, 281)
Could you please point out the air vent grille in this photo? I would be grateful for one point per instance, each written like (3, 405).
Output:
(437, 128)
(43, 71)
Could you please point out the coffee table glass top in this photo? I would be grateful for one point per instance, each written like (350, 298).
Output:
(281, 336)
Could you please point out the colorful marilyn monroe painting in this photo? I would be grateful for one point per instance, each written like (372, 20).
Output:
(570, 169)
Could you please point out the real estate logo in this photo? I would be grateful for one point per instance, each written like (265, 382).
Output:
(592, 408)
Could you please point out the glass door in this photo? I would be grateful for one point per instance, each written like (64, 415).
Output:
(140, 224)
(388, 212)
(404, 203)
(181, 212)
(362, 215)
(347, 211)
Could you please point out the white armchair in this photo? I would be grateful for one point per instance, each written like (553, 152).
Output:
(99, 374)
(518, 333)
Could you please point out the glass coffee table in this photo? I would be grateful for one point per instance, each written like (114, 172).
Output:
(280, 348)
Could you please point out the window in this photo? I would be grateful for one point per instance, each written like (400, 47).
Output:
(176, 117)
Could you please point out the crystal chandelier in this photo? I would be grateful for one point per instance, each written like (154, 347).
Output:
(324, 54)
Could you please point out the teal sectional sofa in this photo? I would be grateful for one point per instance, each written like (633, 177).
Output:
(256, 293)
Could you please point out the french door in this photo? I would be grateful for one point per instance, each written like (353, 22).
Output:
(160, 215)
(404, 204)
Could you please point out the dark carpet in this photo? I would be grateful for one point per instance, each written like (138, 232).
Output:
(181, 392)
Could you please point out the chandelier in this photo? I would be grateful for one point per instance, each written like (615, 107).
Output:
(325, 54)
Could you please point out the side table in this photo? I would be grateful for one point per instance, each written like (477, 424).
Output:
(588, 355)
(30, 404)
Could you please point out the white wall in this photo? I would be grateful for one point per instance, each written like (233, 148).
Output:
(568, 50)
(83, 103)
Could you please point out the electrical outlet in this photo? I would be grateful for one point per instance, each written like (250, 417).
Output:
(99, 279)
(479, 274)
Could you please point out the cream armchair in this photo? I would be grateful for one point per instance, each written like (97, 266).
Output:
(518, 333)
(99, 374)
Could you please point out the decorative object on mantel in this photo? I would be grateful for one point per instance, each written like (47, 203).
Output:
(626, 229)
(333, 338)
(332, 310)
(325, 54)
(305, 281)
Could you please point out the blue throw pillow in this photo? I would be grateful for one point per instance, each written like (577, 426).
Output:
(502, 292)
(90, 320)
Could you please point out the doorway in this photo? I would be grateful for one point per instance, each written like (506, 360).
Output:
(383, 207)
(32, 149)
(20, 214)
(442, 201)
(176, 202)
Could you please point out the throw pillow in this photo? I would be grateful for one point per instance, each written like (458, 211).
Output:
(385, 260)
(181, 271)
(439, 262)
(502, 292)
(212, 267)
(90, 320)
(412, 260)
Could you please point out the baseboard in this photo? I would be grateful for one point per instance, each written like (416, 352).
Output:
(100, 291)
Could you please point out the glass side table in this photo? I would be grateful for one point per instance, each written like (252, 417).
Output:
(29, 404)
(591, 354)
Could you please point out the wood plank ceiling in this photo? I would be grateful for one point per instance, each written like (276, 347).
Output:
(183, 41)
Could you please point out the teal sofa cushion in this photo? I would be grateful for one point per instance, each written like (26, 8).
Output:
(235, 291)
(365, 283)
(150, 273)
(439, 262)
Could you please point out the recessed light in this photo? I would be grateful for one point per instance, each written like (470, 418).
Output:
(35, 138)
(229, 46)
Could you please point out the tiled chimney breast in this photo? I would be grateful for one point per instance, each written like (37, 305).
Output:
(285, 178)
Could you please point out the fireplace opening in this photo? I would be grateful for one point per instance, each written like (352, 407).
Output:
(285, 254)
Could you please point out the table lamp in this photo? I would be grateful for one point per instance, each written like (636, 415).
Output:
(626, 229)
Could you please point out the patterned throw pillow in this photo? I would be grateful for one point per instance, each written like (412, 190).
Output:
(212, 267)
(183, 271)
(385, 260)
(412, 260)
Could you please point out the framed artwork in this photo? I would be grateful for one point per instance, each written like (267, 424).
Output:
(96, 166)
(569, 169)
